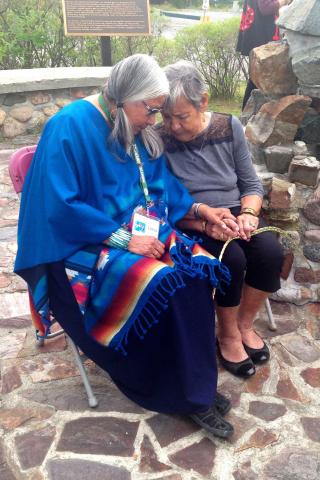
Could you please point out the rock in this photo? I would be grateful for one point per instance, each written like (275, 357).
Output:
(11, 345)
(149, 462)
(293, 464)
(286, 389)
(5, 470)
(300, 148)
(11, 418)
(259, 439)
(10, 380)
(301, 16)
(255, 383)
(305, 171)
(257, 154)
(277, 122)
(2, 117)
(50, 110)
(12, 99)
(301, 348)
(278, 158)
(12, 128)
(309, 130)
(36, 123)
(306, 275)
(312, 235)
(45, 369)
(254, 103)
(282, 194)
(270, 58)
(311, 427)
(198, 456)
(62, 102)
(267, 411)
(77, 469)
(33, 446)
(169, 428)
(99, 436)
(22, 114)
(311, 376)
(39, 98)
(312, 252)
(311, 209)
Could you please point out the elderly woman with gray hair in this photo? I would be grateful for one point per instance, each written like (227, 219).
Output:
(98, 249)
(208, 153)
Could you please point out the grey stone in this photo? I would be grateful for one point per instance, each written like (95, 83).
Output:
(13, 128)
(278, 158)
(169, 429)
(75, 469)
(5, 471)
(198, 456)
(149, 462)
(22, 114)
(311, 427)
(36, 123)
(309, 130)
(267, 411)
(312, 235)
(99, 436)
(257, 154)
(301, 348)
(33, 446)
(312, 252)
(293, 464)
(302, 16)
(253, 105)
(305, 171)
(11, 100)
(72, 397)
(311, 209)
(37, 79)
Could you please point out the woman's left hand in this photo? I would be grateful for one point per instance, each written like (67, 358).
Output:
(247, 224)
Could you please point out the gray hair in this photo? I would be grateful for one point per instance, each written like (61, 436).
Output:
(185, 81)
(135, 78)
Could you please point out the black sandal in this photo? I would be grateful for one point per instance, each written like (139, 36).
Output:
(222, 404)
(243, 369)
(212, 422)
(258, 355)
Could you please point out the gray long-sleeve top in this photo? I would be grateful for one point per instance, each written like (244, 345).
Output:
(216, 166)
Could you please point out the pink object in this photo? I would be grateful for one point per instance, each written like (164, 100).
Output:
(19, 164)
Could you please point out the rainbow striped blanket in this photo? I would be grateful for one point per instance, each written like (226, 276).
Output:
(118, 291)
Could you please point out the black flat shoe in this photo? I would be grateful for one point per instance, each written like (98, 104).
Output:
(222, 404)
(212, 422)
(258, 355)
(244, 369)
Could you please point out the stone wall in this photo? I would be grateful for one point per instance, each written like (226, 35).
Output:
(29, 97)
(282, 121)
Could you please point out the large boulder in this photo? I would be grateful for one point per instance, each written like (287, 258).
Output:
(277, 122)
(267, 60)
(301, 16)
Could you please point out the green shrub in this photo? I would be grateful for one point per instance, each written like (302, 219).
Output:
(211, 47)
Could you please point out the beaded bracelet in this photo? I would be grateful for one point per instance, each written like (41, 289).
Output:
(119, 239)
(196, 207)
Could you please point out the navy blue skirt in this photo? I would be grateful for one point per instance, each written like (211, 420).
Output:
(173, 369)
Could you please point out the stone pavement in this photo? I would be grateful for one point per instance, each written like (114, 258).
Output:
(49, 432)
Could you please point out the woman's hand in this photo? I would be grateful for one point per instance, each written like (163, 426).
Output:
(247, 224)
(146, 246)
(221, 218)
(218, 233)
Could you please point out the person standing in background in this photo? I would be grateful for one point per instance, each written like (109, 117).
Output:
(257, 27)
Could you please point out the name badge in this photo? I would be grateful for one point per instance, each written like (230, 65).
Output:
(143, 225)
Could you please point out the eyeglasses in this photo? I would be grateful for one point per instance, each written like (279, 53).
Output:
(150, 110)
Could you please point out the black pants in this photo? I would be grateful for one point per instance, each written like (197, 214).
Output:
(257, 263)
(250, 86)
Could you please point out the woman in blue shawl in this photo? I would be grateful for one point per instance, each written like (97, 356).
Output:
(97, 248)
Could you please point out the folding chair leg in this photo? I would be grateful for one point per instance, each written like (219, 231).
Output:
(92, 400)
(272, 323)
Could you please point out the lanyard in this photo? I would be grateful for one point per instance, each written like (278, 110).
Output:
(105, 109)
(143, 182)
(134, 151)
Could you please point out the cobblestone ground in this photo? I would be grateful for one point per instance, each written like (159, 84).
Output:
(49, 432)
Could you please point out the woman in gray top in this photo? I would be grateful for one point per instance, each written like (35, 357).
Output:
(208, 153)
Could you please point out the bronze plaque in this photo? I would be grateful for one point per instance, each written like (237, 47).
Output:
(106, 17)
